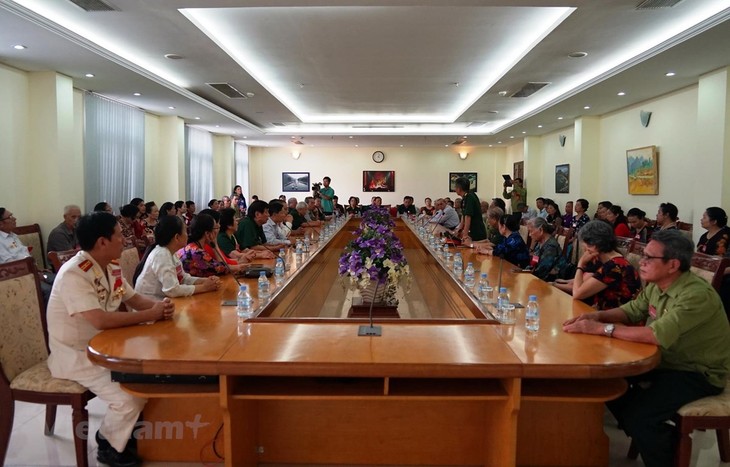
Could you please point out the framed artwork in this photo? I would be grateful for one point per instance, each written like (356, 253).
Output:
(562, 178)
(295, 181)
(378, 180)
(471, 176)
(642, 169)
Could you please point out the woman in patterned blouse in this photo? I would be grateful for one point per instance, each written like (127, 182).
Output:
(715, 240)
(195, 260)
(581, 218)
(603, 278)
(512, 248)
(546, 250)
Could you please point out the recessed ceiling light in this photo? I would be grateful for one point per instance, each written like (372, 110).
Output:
(245, 137)
(465, 137)
(89, 75)
(250, 94)
(499, 142)
(577, 54)
(669, 73)
(492, 111)
(456, 84)
(502, 93)
(401, 145)
(621, 93)
(524, 132)
(217, 126)
(197, 118)
(350, 137)
(19, 47)
(171, 107)
(446, 145)
(512, 137)
(490, 145)
(560, 118)
(137, 94)
(293, 137)
(173, 56)
(357, 145)
(539, 126)
(586, 107)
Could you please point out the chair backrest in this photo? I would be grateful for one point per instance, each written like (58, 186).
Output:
(31, 237)
(128, 262)
(22, 333)
(561, 241)
(524, 233)
(710, 268)
(57, 258)
(623, 245)
(685, 228)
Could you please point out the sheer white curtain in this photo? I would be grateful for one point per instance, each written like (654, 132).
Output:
(113, 152)
(241, 169)
(199, 166)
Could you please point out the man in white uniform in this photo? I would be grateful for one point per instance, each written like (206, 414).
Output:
(84, 301)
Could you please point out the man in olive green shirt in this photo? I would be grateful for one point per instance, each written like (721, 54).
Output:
(517, 195)
(685, 318)
(472, 226)
(250, 233)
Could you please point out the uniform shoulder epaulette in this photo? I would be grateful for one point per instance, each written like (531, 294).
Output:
(85, 265)
(114, 262)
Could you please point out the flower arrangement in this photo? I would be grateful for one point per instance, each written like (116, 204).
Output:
(375, 254)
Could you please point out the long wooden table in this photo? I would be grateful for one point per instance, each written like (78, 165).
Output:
(453, 389)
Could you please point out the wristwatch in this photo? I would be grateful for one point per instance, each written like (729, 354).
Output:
(608, 329)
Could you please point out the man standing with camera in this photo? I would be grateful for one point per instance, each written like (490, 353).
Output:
(517, 195)
(326, 193)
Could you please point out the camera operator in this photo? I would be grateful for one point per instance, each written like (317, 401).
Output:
(517, 195)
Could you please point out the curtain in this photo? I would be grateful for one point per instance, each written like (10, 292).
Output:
(113, 152)
(199, 166)
(240, 157)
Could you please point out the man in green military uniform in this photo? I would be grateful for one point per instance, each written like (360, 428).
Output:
(685, 318)
(517, 195)
(472, 226)
(250, 233)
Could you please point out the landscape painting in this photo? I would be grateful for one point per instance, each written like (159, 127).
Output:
(562, 178)
(643, 171)
(378, 180)
(295, 181)
(471, 176)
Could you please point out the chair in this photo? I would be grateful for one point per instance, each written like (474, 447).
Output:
(685, 228)
(57, 258)
(561, 241)
(31, 237)
(710, 268)
(24, 373)
(128, 262)
(623, 245)
(708, 413)
(524, 233)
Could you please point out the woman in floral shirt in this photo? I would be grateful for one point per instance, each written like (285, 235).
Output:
(195, 259)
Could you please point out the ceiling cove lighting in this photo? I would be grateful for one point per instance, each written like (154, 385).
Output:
(224, 27)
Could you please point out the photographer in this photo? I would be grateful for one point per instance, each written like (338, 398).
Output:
(517, 195)
(326, 193)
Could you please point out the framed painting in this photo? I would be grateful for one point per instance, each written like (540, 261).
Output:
(295, 181)
(642, 169)
(471, 176)
(378, 180)
(562, 178)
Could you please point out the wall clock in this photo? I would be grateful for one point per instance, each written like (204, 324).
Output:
(378, 156)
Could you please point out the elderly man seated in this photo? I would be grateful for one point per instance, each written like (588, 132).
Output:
(446, 218)
(274, 229)
(685, 318)
(63, 236)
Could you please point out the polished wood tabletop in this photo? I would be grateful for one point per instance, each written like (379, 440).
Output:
(206, 337)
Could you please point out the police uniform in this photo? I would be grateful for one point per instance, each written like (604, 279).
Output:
(82, 285)
(11, 248)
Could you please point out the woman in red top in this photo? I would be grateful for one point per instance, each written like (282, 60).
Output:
(615, 215)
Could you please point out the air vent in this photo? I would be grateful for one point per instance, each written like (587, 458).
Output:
(529, 89)
(297, 141)
(476, 124)
(93, 5)
(377, 126)
(655, 4)
(458, 142)
(278, 124)
(228, 90)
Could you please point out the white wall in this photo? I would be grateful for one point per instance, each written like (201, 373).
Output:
(554, 154)
(13, 142)
(419, 172)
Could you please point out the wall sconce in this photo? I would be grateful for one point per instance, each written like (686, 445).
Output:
(463, 155)
(295, 154)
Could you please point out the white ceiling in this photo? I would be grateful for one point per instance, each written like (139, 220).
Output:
(368, 72)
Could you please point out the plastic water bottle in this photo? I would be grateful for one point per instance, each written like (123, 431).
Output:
(298, 253)
(244, 303)
(458, 264)
(446, 251)
(532, 314)
(469, 275)
(264, 292)
(279, 269)
(285, 262)
(502, 300)
(482, 288)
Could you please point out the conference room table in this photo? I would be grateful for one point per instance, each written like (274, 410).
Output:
(445, 384)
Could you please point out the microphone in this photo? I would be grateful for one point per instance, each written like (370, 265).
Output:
(371, 330)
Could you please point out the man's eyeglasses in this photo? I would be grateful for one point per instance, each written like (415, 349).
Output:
(7, 218)
(649, 257)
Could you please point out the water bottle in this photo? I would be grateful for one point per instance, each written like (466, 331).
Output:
(482, 288)
(502, 300)
(298, 253)
(244, 303)
(458, 264)
(469, 275)
(264, 292)
(285, 262)
(532, 314)
(279, 269)
(446, 251)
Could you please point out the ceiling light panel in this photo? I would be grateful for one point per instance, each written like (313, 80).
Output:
(389, 67)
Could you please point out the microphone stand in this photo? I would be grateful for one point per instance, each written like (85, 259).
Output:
(371, 330)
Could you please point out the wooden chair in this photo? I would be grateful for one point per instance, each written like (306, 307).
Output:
(57, 258)
(711, 268)
(31, 237)
(685, 228)
(24, 373)
(524, 233)
(128, 262)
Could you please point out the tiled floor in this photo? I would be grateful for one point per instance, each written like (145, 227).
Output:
(28, 447)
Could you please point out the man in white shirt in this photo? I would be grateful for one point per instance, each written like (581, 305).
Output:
(274, 228)
(85, 300)
(527, 212)
(446, 216)
(11, 248)
(541, 207)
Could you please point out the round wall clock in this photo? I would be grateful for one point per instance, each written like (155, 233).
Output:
(378, 156)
